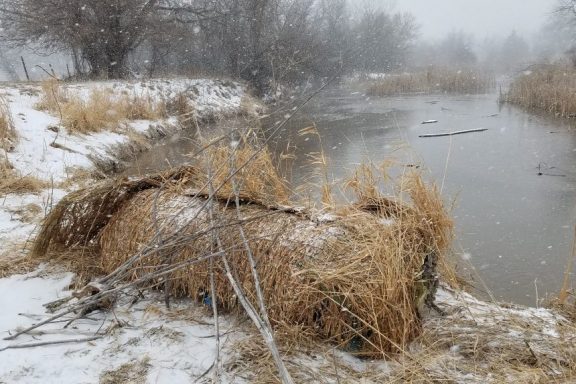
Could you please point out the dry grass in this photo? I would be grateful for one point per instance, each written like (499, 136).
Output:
(8, 134)
(14, 259)
(52, 96)
(475, 342)
(549, 88)
(134, 372)
(355, 279)
(434, 80)
(101, 110)
(12, 182)
(144, 107)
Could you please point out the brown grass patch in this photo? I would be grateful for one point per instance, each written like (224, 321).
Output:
(549, 88)
(144, 107)
(434, 80)
(8, 134)
(14, 260)
(12, 182)
(52, 96)
(135, 372)
(355, 277)
(101, 110)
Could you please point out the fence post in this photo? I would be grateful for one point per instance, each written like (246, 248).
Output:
(25, 70)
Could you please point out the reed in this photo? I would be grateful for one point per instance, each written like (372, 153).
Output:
(434, 80)
(8, 134)
(548, 88)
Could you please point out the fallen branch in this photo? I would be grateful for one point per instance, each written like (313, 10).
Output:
(454, 133)
(54, 342)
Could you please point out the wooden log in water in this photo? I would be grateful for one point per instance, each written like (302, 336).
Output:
(453, 133)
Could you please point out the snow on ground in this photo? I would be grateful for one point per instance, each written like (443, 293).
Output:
(170, 349)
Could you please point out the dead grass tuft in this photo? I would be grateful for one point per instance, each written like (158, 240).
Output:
(100, 110)
(52, 96)
(15, 261)
(8, 134)
(547, 88)
(134, 372)
(434, 80)
(143, 107)
(12, 182)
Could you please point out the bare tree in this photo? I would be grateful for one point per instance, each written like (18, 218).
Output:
(382, 40)
(101, 33)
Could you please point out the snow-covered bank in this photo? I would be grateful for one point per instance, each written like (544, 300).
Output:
(47, 151)
(141, 341)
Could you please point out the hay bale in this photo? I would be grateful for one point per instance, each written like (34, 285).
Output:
(353, 275)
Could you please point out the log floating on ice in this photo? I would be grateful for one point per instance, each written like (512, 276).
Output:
(453, 133)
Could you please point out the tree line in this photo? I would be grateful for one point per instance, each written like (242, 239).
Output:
(261, 41)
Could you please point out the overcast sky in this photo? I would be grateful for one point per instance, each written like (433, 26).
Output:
(483, 18)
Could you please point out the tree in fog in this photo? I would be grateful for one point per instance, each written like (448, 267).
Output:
(560, 32)
(456, 50)
(334, 33)
(264, 42)
(514, 53)
(382, 41)
(99, 33)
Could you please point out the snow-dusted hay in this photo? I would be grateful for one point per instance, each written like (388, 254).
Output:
(351, 277)
(354, 275)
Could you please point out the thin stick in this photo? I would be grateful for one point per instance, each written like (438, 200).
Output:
(567, 272)
(214, 297)
(54, 342)
(263, 328)
(257, 286)
(454, 133)
(25, 69)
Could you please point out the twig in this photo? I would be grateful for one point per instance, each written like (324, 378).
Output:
(453, 133)
(262, 326)
(54, 342)
(214, 302)
(564, 291)
(48, 73)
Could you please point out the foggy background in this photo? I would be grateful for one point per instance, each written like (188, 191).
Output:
(482, 18)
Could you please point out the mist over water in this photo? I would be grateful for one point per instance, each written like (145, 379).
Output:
(482, 18)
